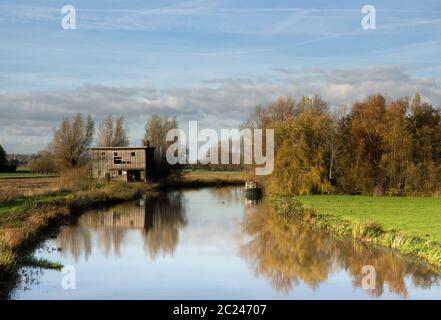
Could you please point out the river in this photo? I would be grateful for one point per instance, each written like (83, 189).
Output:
(213, 244)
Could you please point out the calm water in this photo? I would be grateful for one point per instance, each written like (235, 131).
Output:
(211, 243)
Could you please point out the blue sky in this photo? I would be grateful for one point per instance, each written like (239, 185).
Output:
(210, 61)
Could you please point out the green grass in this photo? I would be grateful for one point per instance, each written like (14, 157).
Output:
(18, 174)
(21, 203)
(24, 172)
(389, 222)
(419, 216)
(40, 263)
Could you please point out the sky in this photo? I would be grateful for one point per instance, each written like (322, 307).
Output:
(211, 61)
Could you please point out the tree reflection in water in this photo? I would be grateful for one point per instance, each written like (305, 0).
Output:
(286, 252)
(165, 216)
(159, 219)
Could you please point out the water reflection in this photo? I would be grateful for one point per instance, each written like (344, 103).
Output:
(283, 250)
(214, 240)
(158, 218)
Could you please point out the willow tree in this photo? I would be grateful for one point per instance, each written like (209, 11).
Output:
(301, 151)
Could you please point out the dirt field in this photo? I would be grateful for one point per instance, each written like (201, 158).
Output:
(26, 186)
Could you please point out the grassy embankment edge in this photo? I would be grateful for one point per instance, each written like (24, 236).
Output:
(29, 217)
(367, 231)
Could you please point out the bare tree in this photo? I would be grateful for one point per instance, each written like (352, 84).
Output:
(113, 133)
(156, 130)
(120, 136)
(72, 141)
(43, 161)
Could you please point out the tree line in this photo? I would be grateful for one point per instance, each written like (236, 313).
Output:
(377, 146)
(75, 136)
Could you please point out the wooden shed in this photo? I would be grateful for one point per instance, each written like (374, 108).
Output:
(125, 163)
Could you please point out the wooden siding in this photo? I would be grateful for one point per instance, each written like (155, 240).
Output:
(116, 162)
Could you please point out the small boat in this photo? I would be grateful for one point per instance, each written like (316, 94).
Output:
(253, 190)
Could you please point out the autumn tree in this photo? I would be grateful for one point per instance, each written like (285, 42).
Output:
(397, 146)
(366, 137)
(300, 161)
(72, 140)
(281, 109)
(424, 127)
(381, 146)
(113, 133)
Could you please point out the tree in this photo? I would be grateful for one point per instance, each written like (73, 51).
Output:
(43, 162)
(156, 130)
(72, 141)
(301, 149)
(397, 145)
(113, 133)
(378, 147)
(366, 139)
(424, 127)
(3, 158)
(281, 109)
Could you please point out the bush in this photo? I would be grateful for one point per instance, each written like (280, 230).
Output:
(78, 178)
(8, 168)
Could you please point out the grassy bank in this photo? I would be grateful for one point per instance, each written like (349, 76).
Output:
(200, 178)
(410, 226)
(23, 219)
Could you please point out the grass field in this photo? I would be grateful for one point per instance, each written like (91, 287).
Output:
(24, 172)
(420, 216)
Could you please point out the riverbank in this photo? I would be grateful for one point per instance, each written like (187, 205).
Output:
(200, 179)
(360, 219)
(25, 219)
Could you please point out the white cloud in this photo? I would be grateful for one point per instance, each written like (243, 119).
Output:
(218, 103)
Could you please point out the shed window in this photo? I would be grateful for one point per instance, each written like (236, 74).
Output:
(133, 154)
(115, 154)
(117, 160)
(103, 153)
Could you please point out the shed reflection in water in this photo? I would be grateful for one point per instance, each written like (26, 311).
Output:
(159, 218)
(285, 251)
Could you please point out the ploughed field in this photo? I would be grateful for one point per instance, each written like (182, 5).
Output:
(10, 188)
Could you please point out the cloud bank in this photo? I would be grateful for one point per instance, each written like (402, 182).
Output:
(28, 118)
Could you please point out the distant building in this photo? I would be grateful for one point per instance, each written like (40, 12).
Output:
(127, 163)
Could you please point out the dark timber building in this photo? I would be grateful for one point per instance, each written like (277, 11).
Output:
(127, 163)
